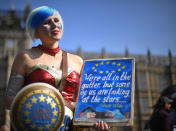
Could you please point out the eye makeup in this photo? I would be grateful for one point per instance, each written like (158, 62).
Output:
(60, 26)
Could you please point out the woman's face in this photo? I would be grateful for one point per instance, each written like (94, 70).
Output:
(167, 106)
(50, 30)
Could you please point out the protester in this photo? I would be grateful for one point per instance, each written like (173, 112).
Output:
(161, 119)
(43, 63)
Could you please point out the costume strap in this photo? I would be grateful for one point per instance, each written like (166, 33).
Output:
(64, 70)
(64, 76)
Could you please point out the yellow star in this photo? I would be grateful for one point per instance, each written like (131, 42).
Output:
(93, 67)
(26, 113)
(53, 120)
(40, 128)
(53, 105)
(119, 69)
(55, 113)
(101, 63)
(34, 100)
(67, 127)
(28, 105)
(42, 98)
(47, 126)
(95, 70)
(28, 121)
(107, 71)
(48, 100)
(118, 64)
(123, 67)
(113, 71)
(33, 126)
(107, 62)
(96, 64)
(113, 63)
(101, 72)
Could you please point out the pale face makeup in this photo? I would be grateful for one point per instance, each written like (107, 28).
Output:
(51, 28)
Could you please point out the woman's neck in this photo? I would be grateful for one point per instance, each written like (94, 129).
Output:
(50, 44)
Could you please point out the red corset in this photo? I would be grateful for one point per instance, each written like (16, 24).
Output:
(69, 92)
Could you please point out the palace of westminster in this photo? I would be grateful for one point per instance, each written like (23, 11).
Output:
(153, 74)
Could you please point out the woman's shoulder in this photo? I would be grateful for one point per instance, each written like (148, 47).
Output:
(23, 55)
(21, 60)
(75, 58)
(75, 61)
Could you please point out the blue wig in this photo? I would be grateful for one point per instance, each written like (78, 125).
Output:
(38, 16)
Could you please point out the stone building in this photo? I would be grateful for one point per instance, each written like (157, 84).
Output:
(12, 39)
(153, 73)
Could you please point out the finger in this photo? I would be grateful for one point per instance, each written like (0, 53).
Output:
(106, 126)
(102, 125)
(96, 125)
(99, 125)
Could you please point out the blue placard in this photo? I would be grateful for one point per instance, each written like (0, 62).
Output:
(106, 91)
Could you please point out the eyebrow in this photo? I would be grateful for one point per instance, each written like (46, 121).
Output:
(52, 17)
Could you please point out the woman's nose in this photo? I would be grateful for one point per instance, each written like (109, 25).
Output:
(54, 24)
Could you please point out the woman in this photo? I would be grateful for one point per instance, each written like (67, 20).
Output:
(161, 119)
(44, 62)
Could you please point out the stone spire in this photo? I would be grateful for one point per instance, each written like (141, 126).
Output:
(12, 5)
(149, 56)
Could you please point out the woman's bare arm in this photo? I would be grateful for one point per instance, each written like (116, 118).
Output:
(16, 80)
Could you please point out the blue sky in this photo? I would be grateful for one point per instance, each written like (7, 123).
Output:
(113, 24)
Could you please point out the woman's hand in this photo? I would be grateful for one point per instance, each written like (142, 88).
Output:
(101, 126)
(4, 128)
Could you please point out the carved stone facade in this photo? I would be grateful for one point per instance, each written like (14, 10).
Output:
(153, 73)
(12, 40)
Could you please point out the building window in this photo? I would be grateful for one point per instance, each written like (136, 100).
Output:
(142, 81)
(163, 81)
(10, 43)
(144, 104)
(1, 47)
(2, 77)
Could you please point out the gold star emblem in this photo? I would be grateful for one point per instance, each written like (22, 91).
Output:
(34, 100)
(107, 71)
(118, 64)
(55, 113)
(28, 121)
(28, 106)
(113, 63)
(33, 126)
(93, 67)
(123, 67)
(95, 70)
(48, 100)
(119, 69)
(101, 63)
(101, 72)
(96, 64)
(42, 98)
(53, 105)
(53, 120)
(47, 126)
(26, 113)
(113, 71)
(67, 127)
(107, 62)
(40, 128)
